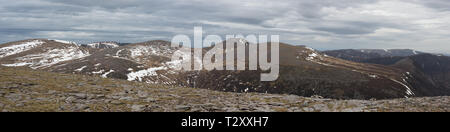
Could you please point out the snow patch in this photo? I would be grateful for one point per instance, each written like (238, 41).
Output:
(246, 90)
(373, 76)
(80, 69)
(17, 64)
(98, 72)
(107, 73)
(408, 92)
(63, 41)
(118, 53)
(169, 67)
(53, 56)
(15, 49)
(311, 56)
(144, 73)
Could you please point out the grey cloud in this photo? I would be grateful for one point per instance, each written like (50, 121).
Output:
(297, 21)
(110, 4)
(350, 28)
(346, 31)
(437, 4)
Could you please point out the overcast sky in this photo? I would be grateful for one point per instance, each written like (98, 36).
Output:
(325, 24)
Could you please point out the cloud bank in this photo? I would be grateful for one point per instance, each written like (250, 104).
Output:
(325, 24)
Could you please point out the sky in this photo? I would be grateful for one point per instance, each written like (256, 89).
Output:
(322, 24)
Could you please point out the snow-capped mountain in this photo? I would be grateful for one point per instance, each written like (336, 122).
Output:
(303, 71)
(145, 62)
(8, 50)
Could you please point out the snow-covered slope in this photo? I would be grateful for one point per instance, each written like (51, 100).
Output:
(18, 48)
(50, 57)
(40, 54)
(63, 41)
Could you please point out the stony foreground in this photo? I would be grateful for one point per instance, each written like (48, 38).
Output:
(26, 90)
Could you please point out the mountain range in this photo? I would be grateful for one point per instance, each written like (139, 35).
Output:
(430, 69)
(339, 74)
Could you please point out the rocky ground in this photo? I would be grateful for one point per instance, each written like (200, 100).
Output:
(22, 89)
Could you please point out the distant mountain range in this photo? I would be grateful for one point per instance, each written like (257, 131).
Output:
(430, 69)
(341, 74)
(368, 55)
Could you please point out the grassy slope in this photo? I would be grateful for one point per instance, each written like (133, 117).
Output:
(27, 90)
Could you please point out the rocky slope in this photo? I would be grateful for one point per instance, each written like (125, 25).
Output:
(306, 72)
(433, 69)
(23, 89)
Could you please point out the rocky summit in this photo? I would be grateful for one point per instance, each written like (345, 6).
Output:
(23, 90)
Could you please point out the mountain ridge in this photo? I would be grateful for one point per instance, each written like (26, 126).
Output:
(303, 71)
(431, 69)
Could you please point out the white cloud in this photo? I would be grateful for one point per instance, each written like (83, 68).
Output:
(64, 34)
(327, 24)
